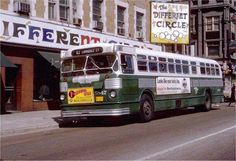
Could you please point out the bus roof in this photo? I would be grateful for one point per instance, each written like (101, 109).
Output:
(146, 52)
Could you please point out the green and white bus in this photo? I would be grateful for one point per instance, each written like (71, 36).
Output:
(113, 80)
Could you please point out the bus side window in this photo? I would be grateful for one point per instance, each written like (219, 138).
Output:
(217, 70)
(208, 70)
(127, 64)
(185, 67)
(178, 67)
(162, 65)
(171, 65)
(142, 65)
(142, 62)
(202, 68)
(152, 64)
(193, 67)
(213, 69)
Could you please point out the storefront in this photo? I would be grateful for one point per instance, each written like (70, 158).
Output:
(34, 48)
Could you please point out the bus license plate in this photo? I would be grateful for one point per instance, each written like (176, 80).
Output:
(80, 95)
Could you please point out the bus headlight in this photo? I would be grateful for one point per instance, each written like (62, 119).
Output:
(62, 97)
(113, 94)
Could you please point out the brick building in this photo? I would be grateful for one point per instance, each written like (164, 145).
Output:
(33, 32)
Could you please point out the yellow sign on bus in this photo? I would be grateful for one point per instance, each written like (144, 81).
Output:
(80, 95)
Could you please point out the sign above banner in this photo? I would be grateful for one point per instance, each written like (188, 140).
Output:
(14, 29)
(169, 23)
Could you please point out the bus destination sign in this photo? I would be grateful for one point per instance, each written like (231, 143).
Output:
(87, 51)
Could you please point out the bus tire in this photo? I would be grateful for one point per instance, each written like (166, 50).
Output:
(207, 106)
(146, 110)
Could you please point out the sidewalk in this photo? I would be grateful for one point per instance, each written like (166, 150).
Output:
(27, 122)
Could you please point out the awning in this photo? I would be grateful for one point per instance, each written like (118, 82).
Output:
(52, 58)
(5, 62)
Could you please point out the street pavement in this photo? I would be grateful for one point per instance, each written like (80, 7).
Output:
(17, 123)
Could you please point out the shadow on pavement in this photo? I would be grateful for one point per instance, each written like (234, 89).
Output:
(120, 121)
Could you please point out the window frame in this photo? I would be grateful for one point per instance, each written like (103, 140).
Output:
(123, 66)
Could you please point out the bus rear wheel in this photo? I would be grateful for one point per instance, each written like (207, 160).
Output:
(207, 106)
(146, 111)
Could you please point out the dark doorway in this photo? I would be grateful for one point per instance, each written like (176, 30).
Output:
(12, 76)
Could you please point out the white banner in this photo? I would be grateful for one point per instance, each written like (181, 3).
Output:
(14, 29)
(172, 85)
(169, 23)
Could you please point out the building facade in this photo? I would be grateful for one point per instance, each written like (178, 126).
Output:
(211, 28)
(213, 33)
(33, 32)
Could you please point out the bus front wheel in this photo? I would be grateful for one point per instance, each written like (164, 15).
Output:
(146, 111)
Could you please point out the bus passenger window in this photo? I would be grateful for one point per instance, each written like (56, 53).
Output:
(127, 64)
(162, 65)
(152, 66)
(217, 70)
(171, 65)
(213, 69)
(202, 68)
(178, 66)
(185, 67)
(193, 67)
(142, 65)
(208, 70)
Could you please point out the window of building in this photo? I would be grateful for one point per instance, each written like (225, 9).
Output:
(205, 1)
(51, 10)
(194, 2)
(213, 48)
(97, 10)
(219, 1)
(192, 24)
(139, 21)
(209, 23)
(74, 6)
(120, 20)
(213, 23)
(64, 10)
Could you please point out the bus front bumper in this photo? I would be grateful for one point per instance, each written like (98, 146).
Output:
(97, 112)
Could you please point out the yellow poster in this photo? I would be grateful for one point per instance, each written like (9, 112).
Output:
(80, 95)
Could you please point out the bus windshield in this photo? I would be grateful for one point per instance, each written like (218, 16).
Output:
(94, 64)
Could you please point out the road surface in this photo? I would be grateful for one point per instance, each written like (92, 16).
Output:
(174, 135)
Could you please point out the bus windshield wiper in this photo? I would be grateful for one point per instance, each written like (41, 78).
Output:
(93, 62)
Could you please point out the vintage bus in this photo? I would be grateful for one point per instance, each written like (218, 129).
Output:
(113, 80)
